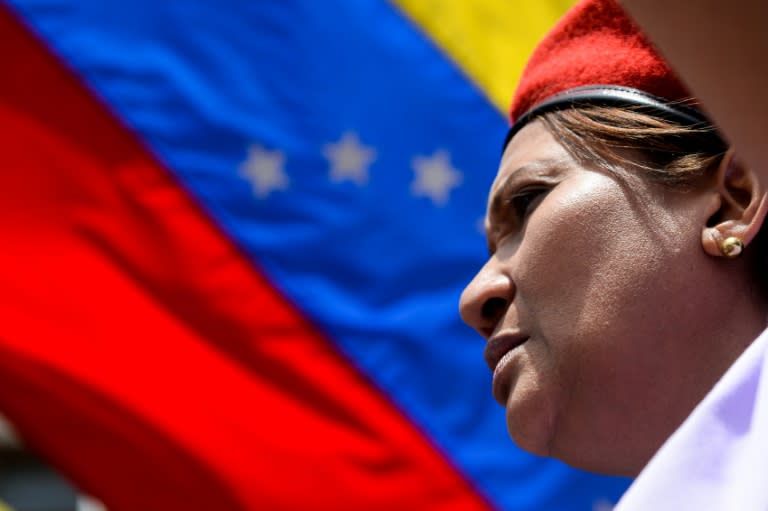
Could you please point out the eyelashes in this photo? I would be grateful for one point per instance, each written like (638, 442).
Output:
(525, 201)
(513, 212)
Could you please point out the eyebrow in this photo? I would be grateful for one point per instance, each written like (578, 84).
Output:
(545, 168)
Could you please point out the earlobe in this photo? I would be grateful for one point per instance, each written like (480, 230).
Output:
(738, 211)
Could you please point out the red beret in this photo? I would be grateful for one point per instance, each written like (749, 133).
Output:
(595, 43)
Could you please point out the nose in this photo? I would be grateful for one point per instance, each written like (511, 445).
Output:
(486, 299)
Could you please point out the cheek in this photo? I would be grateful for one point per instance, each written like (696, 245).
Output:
(586, 265)
(582, 258)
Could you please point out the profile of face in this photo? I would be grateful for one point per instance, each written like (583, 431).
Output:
(607, 307)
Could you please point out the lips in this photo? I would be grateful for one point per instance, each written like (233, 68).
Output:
(498, 354)
(499, 345)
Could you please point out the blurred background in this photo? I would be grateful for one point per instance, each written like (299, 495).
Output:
(235, 234)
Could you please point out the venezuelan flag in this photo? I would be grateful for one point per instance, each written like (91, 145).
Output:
(234, 237)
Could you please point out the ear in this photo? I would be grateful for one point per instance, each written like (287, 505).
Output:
(739, 207)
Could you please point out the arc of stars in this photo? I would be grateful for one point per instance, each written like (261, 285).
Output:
(349, 160)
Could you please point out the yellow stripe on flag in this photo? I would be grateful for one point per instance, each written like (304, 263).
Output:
(490, 39)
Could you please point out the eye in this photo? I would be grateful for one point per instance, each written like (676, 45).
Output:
(524, 201)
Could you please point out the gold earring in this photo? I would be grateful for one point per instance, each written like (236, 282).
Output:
(731, 247)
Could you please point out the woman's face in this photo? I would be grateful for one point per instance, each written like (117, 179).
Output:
(601, 310)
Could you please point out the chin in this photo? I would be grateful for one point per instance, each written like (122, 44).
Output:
(602, 467)
(535, 431)
(531, 431)
(601, 459)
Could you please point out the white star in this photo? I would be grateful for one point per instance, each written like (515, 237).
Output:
(349, 159)
(435, 177)
(264, 170)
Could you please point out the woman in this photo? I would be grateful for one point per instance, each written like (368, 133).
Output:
(626, 240)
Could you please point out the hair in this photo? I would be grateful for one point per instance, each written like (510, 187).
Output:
(667, 153)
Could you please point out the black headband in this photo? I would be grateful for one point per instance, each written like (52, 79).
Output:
(613, 95)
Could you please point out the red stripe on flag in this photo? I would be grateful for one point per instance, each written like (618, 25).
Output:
(143, 356)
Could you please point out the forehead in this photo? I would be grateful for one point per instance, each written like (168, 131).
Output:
(532, 148)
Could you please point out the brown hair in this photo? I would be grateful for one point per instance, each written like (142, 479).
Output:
(669, 153)
(678, 156)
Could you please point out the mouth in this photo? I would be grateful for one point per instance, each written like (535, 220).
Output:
(498, 353)
(499, 345)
